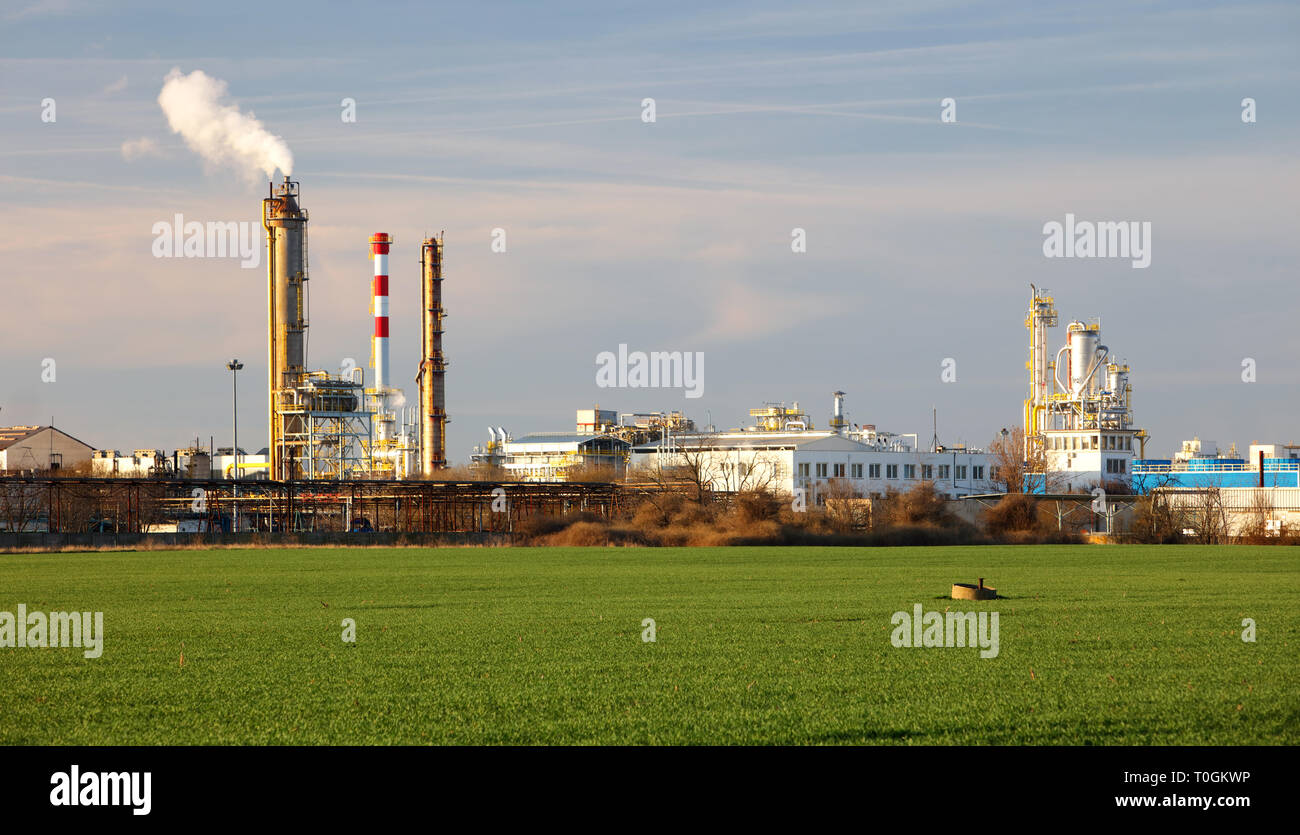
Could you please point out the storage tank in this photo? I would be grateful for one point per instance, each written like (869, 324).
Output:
(1084, 340)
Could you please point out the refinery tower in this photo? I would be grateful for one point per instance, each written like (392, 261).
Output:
(1080, 426)
(332, 426)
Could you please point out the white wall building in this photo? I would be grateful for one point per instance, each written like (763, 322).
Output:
(556, 456)
(822, 463)
(1086, 458)
(185, 463)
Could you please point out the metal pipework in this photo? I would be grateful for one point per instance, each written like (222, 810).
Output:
(433, 366)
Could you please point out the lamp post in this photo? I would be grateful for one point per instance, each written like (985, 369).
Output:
(234, 366)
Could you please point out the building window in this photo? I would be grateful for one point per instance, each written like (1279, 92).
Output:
(857, 470)
(1128, 443)
(927, 472)
(803, 470)
(978, 473)
(821, 469)
(891, 471)
(993, 473)
(961, 471)
(839, 471)
(944, 470)
(909, 471)
(874, 470)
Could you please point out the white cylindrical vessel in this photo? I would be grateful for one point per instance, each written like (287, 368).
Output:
(1083, 353)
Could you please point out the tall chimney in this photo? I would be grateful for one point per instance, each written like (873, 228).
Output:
(433, 366)
(379, 244)
(285, 223)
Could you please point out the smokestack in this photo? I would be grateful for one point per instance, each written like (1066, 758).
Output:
(379, 244)
(838, 423)
(433, 367)
(285, 223)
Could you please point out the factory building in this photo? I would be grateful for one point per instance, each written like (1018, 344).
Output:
(141, 463)
(1199, 464)
(599, 447)
(1080, 430)
(24, 448)
(1237, 511)
(557, 456)
(783, 452)
(192, 462)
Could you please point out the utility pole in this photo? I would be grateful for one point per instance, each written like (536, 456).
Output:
(234, 366)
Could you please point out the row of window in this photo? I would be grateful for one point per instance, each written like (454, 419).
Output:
(1115, 442)
(825, 470)
(1116, 465)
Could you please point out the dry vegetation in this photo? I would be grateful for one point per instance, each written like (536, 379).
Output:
(676, 517)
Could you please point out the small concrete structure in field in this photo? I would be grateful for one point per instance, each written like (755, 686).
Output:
(965, 591)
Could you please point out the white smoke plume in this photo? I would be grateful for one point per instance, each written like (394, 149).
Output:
(219, 132)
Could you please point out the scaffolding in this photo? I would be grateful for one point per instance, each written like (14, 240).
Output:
(321, 432)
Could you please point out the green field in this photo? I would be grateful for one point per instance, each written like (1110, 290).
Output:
(1098, 645)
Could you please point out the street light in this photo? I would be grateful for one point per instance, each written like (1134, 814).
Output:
(235, 366)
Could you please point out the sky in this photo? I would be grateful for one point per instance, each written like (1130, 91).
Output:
(922, 236)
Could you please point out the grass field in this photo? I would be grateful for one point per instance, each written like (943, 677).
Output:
(1098, 645)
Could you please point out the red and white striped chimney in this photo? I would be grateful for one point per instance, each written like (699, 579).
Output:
(379, 243)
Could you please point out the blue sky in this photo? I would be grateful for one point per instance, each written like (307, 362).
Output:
(922, 237)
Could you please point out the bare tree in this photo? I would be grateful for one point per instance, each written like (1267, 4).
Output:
(1158, 517)
(20, 504)
(1210, 520)
(846, 508)
(1260, 516)
(1016, 472)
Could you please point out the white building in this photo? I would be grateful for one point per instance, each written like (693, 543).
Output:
(185, 463)
(141, 463)
(820, 462)
(556, 456)
(782, 452)
(1079, 459)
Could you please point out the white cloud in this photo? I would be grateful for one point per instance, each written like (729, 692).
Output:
(143, 147)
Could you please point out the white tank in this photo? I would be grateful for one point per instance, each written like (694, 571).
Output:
(1083, 352)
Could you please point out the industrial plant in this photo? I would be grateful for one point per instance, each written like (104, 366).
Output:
(358, 433)
(326, 426)
(1081, 428)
